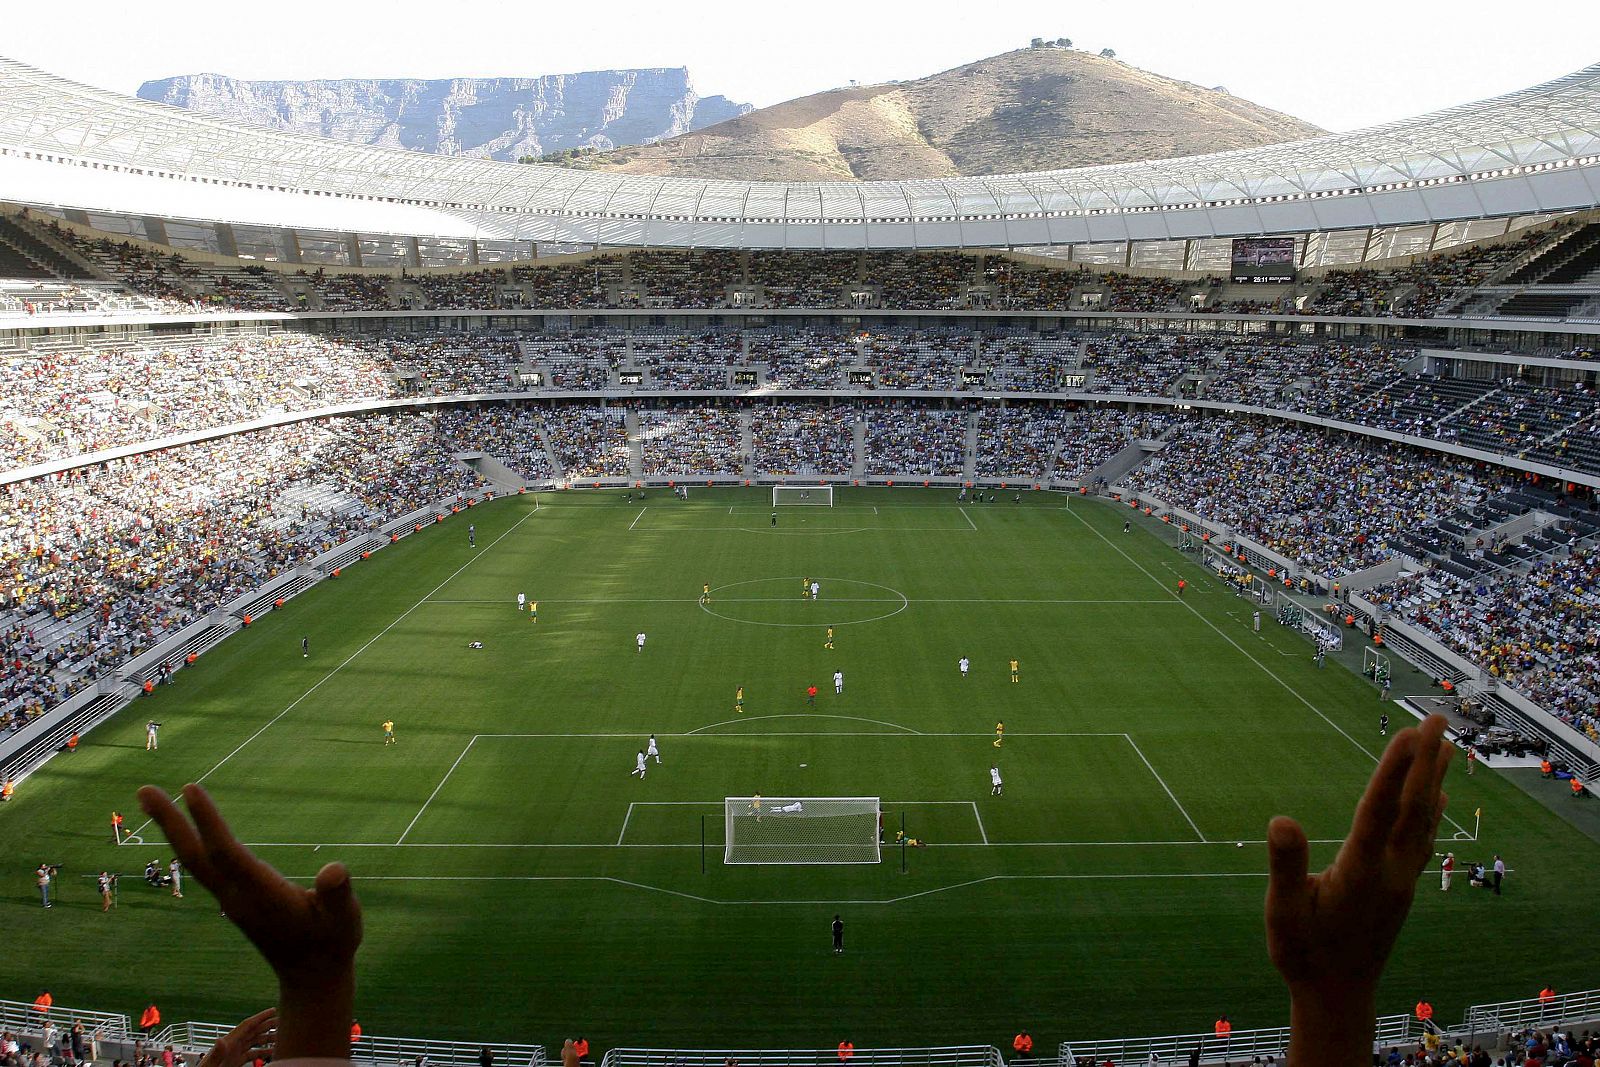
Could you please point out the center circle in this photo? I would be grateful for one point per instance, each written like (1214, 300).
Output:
(777, 602)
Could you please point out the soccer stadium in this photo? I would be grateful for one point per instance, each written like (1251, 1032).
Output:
(776, 623)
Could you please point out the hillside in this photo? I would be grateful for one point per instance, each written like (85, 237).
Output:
(496, 118)
(1033, 109)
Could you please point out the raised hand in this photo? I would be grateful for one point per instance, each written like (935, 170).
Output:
(1331, 933)
(308, 936)
(250, 1040)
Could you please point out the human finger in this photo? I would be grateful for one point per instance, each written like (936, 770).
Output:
(180, 834)
(228, 855)
(260, 1024)
(1376, 811)
(1418, 816)
(1288, 860)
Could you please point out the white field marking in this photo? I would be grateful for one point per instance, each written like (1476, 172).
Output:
(831, 901)
(436, 789)
(943, 844)
(832, 600)
(1165, 788)
(807, 715)
(782, 532)
(1154, 876)
(1270, 673)
(719, 805)
(637, 517)
(352, 657)
(964, 515)
(904, 730)
(981, 831)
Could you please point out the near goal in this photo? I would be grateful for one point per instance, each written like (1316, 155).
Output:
(796, 830)
(817, 496)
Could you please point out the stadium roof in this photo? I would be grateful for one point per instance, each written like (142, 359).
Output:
(71, 146)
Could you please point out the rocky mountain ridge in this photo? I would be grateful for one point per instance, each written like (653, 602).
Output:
(496, 118)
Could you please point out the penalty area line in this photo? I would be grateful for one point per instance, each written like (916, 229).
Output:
(436, 789)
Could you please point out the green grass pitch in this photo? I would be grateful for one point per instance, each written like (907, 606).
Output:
(519, 884)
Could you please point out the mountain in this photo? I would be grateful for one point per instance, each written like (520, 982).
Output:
(498, 118)
(1033, 109)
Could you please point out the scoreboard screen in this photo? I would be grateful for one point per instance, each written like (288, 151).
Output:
(1263, 259)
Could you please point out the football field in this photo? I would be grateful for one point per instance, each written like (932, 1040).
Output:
(520, 884)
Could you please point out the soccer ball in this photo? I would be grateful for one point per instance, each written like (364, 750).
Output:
(1238, 844)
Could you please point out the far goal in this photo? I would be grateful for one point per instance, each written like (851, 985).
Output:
(817, 496)
(801, 830)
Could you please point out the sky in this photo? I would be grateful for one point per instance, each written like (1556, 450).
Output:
(1340, 65)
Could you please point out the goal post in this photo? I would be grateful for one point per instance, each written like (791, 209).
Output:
(816, 496)
(801, 830)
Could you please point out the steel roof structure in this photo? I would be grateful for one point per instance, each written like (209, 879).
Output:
(69, 146)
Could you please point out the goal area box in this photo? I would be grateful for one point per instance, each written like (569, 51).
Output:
(801, 830)
(816, 496)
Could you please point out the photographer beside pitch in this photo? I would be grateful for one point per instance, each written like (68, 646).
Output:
(1329, 934)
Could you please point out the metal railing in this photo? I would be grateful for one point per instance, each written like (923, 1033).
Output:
(21, 1016)
(1239, 1045)
(1519, 1014)
(947, 1056)
(197, 1037)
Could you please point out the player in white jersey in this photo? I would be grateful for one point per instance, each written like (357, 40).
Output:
(963, 663)
(838, 682)
(638, 640)
(996, 786)
(638, 767)
(792, 808)
(651, 750)
(522, 601)
(815, 589)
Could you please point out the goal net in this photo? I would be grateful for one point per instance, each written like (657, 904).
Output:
(801, 830)
(817, 496)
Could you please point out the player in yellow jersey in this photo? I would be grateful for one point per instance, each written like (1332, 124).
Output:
(805, 588)
(1013, 670)
(999, 733)
(533, 610)
(388, 732)
(738, 700)
(705, 592)
(829, 642)
(755, 806)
